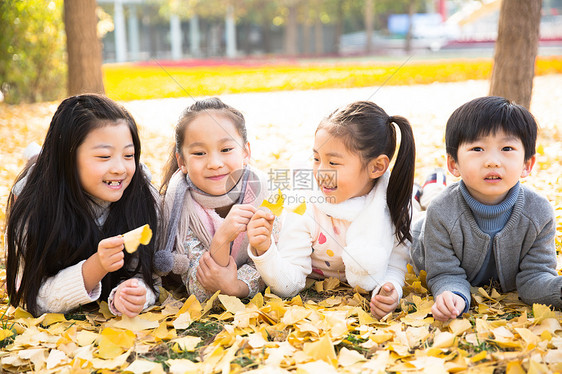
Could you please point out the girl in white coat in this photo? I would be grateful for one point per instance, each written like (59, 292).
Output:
(357, 228)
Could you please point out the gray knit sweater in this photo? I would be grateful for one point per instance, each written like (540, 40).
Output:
(451, 247)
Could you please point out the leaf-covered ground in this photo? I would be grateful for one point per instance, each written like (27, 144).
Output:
(327, 327)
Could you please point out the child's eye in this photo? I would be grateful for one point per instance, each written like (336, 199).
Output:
(198, 153)
(316, 159)
(477, 149)
(103, 157)
(333, 163)
(227, 149)
(508, 148)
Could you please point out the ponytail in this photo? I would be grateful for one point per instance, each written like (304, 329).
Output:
(400, 185)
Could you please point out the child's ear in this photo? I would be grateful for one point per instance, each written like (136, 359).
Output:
(528, 166)
(181, 163)
(247, 153)
(378, 166)
(453, 166)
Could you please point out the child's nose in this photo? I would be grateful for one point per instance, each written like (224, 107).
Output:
(215, 161)
(118, 167)
(493, 161)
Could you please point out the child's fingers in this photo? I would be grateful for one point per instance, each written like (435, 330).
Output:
(265, 213)
(386, 300)
(130, 309)
(134, 299)
(248, 207)
(387, 289)
(112, 242)
(377, 311)
(134, 291)
(441, 312)
(261, 231)
(449, 302)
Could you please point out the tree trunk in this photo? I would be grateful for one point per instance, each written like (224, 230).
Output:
(318, 36)
(410, 33)
(306, 38)
(369, 25)
(339, 27)
(291, 31)
(516, 50)
(83, 47)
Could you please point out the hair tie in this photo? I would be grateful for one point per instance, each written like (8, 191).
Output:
(390, 120)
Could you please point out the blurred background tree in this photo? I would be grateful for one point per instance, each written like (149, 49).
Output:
(33, 56)
(32, 51)
(516, 50)
(83, 47)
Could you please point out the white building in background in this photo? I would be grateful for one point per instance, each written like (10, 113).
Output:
(127, 24)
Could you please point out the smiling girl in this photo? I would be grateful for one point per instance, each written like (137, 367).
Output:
(358, 229)
(63, 230)
(210, 195)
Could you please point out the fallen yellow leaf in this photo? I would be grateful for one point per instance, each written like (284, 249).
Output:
(277, 207)
(322, 350)
(140, 235)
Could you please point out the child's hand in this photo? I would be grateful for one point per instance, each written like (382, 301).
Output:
(110, 253)
(214, 277)
(130, 298)
(259, 231)
(236, 221)
(447, 306)
(385, 301)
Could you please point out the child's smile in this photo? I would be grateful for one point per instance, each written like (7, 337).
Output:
(106, 161)
(340, 174)
(213, 153)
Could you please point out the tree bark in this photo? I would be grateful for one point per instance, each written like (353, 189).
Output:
(516, 50)
(291, 31)
(369, 25)
(410, 34)
(339, 27)
(318, 36)
(83, 47)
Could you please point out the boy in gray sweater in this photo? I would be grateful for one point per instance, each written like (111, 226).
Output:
(488, 227)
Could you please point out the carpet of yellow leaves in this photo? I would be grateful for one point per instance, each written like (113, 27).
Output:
(327, 328)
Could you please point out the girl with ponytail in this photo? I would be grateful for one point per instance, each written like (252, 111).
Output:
(357, 227)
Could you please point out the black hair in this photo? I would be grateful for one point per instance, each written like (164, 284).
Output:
(51, 224)
(366, 129)
(210, 106)
(488, 115)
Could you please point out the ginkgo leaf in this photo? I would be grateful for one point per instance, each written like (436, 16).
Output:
(135, 324)
(321, 350)
(232, 303)
(277, 207)
(299, 209)
(5, 333)
(542, 312)
(187, 343)
(133, 238)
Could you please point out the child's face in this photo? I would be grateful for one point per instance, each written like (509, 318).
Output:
(340, 174)
(491, 165)
(213, 153)
(106, 161)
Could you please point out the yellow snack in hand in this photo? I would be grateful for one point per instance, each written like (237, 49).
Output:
(277, 207)
(133, 238)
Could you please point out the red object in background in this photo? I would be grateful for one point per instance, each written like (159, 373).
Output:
(443, 10)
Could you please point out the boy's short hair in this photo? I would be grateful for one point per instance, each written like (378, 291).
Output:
(488, 115)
